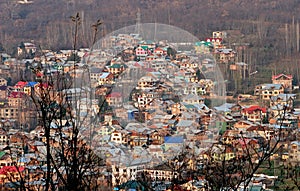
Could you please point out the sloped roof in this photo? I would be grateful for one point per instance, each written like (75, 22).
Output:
(275, 77)
(104, 75)
(31, 84)
(16, 94)
(173, 139)
(270, 86)
(114, 95)
(283, 97)
(185, 123)
(10, 169)
(253, 108)
(21, 84)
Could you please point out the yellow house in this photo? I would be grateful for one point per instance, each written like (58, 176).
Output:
(222, 152)
(266, 91)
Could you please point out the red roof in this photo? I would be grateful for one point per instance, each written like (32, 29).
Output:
(245, 141)
(274, 77)
(213, 39)
(21, 84)
(39, 74)
(10, 169)
(16, 94)
(114, 95)
(253, 108)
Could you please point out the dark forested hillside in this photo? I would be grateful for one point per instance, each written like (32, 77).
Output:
(269, 26)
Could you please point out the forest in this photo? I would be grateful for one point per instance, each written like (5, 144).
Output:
(271, 28)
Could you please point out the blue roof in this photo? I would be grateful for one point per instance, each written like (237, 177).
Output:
(31, 84)
(104, 75)
(177, 139)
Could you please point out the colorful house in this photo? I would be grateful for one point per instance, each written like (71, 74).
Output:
(254, 113)
(285, 80)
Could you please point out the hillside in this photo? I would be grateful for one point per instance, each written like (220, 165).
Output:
(269, 26)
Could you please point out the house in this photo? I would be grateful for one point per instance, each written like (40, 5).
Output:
(242, 125)
(16, 99)
(281, 104)
(173, 141)
(156, 137)
(160, 51)
(4, 138)
(223, 152)
(142, 100)
(3, 82)
(95, 73)
(260, 131)
(254, 113)
(106, 78)
(116, 68)
(217, 42)
(27, 48)
(147, 82)
(3, 92)
(219, 34)
(283, 79)
(141, 52)
(29, 87)
(203, 47)
(284, 100)
(246, 146)
(192, 99)
(116, 136)
(294, 151)
(10, 173)
(9, 112)
(114, 99)
(266, 91)
(225, 55)
(19, 86)
(206, 87)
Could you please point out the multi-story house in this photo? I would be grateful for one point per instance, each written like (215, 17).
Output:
(285, 80)
(16, 99)
(4, 138)
(26, 48)
(219, 34)
(29, 87)
(147, 83)
(294, 151)
(225, 55)
(282, 103)
(95, 73)
(266, 91)
(3, 92)
(3, 82)
(223, 152)
(160, 51)
(106, 78)
(19, 86)
(141, 52)
(116, 136)
(142, 100)
(207, 87)
(9, 113)
(254, 113)
(158, 64)
(217, 42)
(114, 99)
(192, 99)
(116, 68)
(203, 47)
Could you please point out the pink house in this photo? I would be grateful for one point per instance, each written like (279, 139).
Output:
(141, 52)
